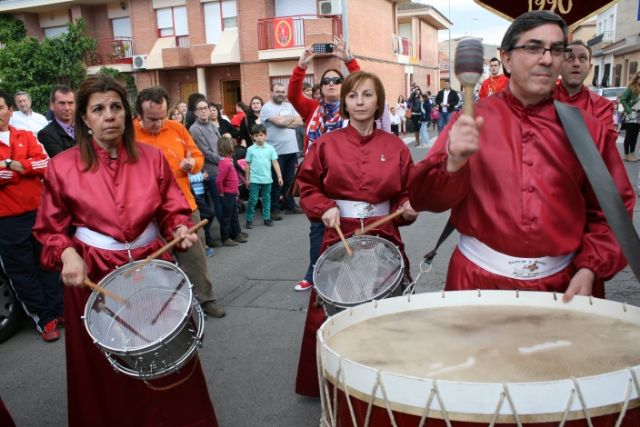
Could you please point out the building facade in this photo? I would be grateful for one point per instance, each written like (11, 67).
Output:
(616, 44)
(231, 50)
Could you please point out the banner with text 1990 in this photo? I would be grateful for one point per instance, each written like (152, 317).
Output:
(573, 11)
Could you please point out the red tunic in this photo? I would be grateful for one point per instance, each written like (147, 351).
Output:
(343, 165)
(524, 193)
(119, 199)
(493, 85)
(598, 106)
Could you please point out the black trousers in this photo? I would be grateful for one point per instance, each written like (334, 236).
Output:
(230, 224)
(631, 137)
(39, 290)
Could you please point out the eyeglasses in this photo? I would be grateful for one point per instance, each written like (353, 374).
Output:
(202, 109)
(537, 50)
(328, 80)
(581, 59)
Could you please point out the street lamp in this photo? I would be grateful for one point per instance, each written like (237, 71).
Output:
(472, 19)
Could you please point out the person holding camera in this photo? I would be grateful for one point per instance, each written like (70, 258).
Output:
(320, 116)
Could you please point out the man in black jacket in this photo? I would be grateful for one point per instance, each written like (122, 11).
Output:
(59, 134)
(446, 101)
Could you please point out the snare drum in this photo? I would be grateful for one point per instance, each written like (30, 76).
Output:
(157, 330)
(477, 358)
(375, 271)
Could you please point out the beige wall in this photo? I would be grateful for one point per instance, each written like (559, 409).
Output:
(626, 19)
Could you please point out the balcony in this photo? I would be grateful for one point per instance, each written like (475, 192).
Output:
(402, 49)
(286, 36)
(605, 37)
(111, 51)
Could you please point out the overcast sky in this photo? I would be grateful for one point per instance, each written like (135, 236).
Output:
(469, 18)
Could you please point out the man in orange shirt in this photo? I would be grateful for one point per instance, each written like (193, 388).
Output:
(184, 157)
(496, 82)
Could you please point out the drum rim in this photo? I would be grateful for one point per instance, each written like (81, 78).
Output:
(395, 283)
(330, 362)
(138, 349)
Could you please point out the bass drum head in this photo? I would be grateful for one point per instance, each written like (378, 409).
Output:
(158, 299)
(373, 271)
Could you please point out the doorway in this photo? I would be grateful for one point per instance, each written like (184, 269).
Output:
(230, 90)
(186, 89)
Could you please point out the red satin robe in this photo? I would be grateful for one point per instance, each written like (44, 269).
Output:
(343, 165)
(598, 106)
(119, 199)
(493, 85)
(525, 194)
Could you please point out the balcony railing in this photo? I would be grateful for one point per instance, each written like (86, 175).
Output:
(299, 27)
(603, 37)
(114, 50)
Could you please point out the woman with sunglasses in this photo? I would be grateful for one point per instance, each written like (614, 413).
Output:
(320, 116)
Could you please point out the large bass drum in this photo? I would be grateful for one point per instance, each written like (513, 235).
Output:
(471, 358)
(158, 327)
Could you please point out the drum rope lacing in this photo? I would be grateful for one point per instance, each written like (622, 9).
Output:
(330, 405)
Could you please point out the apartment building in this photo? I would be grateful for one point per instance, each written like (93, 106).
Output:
(616, 44)
(488, 51)
(234, 49)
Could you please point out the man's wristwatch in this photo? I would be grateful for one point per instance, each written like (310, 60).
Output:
(7, 163)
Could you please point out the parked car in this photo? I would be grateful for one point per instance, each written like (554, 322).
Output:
(611, 93)
(10, 311)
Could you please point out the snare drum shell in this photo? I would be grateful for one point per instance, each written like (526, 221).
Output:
(330, 303)
(469, 404)
(166, 354)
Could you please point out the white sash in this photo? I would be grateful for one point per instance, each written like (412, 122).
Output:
(102, 241)
(508, 266)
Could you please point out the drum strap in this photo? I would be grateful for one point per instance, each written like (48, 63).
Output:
(603, 186)
(446, 232)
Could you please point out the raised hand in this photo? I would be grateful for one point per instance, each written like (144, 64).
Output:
(340, 51)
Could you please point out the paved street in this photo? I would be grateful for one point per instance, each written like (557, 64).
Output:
(250, 356)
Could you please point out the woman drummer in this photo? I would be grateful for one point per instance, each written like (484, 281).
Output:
(344, 168)
(115, 197)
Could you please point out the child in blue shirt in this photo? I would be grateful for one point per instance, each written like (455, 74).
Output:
(261, 157)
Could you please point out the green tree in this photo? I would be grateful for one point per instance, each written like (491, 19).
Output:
(35, 66)
(11, 29)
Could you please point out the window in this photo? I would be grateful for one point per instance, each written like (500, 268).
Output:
(55, 31)
(633, 68)
(229, 14)
(121, 27)
(172, 21)
(219, 16)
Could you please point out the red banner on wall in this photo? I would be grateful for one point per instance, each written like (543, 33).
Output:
(283, 33)
(574, 12)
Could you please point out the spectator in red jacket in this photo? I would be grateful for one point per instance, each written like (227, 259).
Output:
(320, 116)
(22, 167)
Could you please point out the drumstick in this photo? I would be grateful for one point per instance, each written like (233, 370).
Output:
(379, 222)
(177, 240)
(344, 241)
(88, 283)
